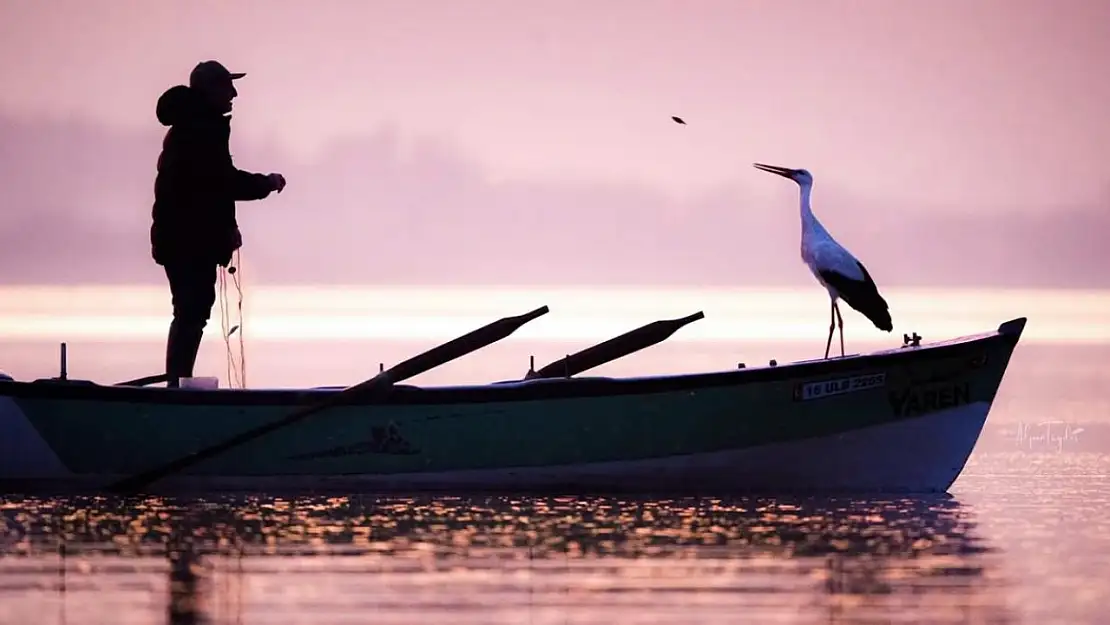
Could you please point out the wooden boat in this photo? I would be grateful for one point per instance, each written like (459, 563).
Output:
(896, 420)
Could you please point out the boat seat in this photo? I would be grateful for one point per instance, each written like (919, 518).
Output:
(554, 380)
(342, 387)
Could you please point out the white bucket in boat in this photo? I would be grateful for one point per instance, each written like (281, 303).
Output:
(201, 382)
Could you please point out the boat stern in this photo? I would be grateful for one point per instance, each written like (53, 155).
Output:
(24, 454)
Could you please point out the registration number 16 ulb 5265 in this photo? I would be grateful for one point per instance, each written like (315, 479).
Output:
(839, 386)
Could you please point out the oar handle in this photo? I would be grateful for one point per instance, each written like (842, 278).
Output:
(144, 381)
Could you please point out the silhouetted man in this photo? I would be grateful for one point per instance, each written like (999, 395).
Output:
(194, 230)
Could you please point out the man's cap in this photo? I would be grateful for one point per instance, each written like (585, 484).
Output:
(212, 72)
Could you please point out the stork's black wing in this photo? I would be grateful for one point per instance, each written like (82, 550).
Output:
(862, 295)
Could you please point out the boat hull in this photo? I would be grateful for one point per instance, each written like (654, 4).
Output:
(901, 420)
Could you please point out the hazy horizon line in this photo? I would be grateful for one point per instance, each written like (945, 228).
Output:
(741, 314)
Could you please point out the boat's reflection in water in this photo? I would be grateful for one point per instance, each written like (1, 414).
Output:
(497, 559)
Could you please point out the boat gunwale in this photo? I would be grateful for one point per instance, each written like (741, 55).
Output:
(508, 390)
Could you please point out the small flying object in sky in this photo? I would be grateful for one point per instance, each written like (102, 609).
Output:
(678, 120)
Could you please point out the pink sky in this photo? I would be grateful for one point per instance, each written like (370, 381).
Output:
(547, 153)
(970, 105)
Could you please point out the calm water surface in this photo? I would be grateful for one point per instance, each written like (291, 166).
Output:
(1024, 538)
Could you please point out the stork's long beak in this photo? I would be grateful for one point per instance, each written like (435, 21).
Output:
(785, 172)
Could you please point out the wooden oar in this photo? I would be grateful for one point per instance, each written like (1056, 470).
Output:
(373, 387)
(145, 381)
(616, 347)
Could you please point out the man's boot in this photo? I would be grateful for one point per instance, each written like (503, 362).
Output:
(182, 346)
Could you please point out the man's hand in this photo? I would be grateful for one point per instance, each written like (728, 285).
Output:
(278, 181)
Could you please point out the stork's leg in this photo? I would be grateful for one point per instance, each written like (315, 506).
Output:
(832, 326)
(840, 323)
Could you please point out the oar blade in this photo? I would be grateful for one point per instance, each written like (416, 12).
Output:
(379, 384)
(460, 346)
(617, 347)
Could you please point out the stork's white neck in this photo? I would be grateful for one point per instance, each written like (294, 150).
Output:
(809, 220)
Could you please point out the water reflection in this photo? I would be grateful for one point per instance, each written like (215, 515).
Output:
(495, 559)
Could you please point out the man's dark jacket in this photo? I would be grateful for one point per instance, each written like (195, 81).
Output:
(197, 184)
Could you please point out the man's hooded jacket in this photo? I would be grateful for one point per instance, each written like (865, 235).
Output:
(197, 183)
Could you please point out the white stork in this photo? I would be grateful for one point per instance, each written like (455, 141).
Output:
(835, 268)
